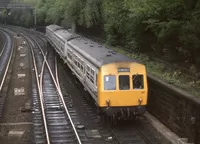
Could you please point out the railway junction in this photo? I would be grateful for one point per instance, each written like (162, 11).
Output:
(43, 102)
(58, 87)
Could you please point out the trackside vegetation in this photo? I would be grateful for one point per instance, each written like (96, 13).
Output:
(165, 35)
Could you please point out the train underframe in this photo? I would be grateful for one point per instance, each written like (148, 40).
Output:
(113, 114)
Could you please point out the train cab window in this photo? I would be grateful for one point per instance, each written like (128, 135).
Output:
(109, 82)
(138, 82)
(124, 82)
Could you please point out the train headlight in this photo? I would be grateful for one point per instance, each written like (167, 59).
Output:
(108, 103)
(140, 100)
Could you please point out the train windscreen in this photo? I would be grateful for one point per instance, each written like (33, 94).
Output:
(138, 82)
(109, 82)
(124, 82)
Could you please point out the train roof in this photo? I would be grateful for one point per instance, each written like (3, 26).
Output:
(54, 27)
(65, 35)
(96, 53)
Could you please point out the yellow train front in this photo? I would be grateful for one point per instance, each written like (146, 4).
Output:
(122, 90)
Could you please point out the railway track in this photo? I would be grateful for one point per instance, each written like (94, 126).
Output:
(60, 106)
(132, 135)
(5, 57)
(51, 112)
(54, 115)
(2, 40)
(5, 61)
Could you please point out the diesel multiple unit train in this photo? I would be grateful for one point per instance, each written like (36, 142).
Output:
(117, 83)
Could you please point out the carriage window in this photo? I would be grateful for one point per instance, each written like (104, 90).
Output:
(69, 55)
(96, 79)
(81, 62)
(92, 79)
(138, 82)
(88, 72)
(124, 82)
(82, 68)
(92, 72)
(88, 68)
(78, 64)
(62, 46)
(74, 58)
(109, 82)
(92, 76)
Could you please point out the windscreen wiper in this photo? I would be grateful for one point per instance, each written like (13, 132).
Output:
(135, 76)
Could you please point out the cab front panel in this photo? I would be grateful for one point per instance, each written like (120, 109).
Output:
(122, 85)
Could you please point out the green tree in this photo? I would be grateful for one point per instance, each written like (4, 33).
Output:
(164, 28)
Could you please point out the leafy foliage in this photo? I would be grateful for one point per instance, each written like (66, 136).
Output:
(168, 29)
(82, 12)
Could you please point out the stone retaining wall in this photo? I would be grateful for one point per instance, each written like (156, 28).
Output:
(178, 110)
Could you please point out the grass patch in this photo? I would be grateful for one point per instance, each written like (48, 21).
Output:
(165, 73)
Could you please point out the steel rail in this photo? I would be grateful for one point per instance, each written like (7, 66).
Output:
(40, 90)
(61, 95)
(8, 65)
(40, 93)
(56, 70)
(59, 92)
(149, 141)
(4, 45)
(78, 138)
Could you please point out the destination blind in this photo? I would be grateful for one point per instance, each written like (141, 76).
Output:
(123, 69)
